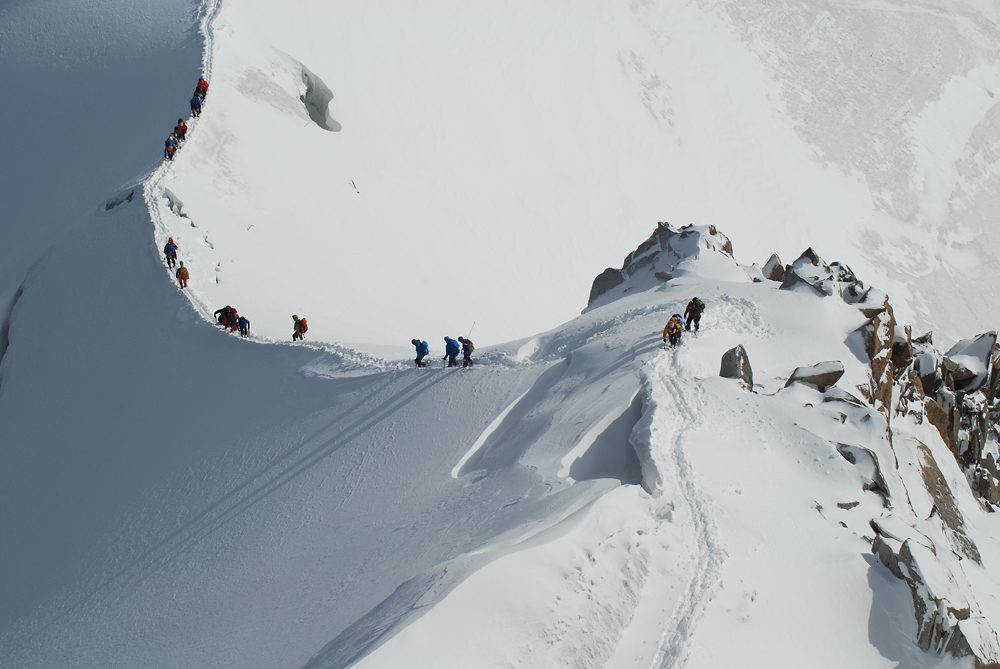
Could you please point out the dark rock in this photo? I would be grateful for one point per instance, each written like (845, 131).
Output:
(604, 282)
(663, 276)
(847, 506)
(736, 365)
(820, 375)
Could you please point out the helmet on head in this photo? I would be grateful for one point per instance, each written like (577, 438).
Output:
(413, 341)
(182, 263)
(170, 239)
(294, 317)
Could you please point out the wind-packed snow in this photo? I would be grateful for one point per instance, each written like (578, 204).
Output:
(175, 496)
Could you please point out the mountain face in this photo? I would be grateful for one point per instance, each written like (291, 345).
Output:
(810, 476)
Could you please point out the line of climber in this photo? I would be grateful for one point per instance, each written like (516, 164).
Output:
(179, 134)
(451, 350)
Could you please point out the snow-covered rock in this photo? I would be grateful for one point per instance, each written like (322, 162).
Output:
(969, 361)
(773, 269)
(820, 375)
(668, 252)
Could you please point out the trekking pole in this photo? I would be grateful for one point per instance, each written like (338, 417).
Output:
(471, 329)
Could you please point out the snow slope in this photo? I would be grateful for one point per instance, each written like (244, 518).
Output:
(172, 496)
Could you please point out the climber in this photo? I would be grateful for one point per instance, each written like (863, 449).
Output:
(223, 315)
(450, 352)
(244, 325)
(182, 275)
(422, 350)
(201, 90)
(234, 319)
(169, 150)
(300, 327)
(693, 313)
(467, 349)
(196, 106)
(170, 251)
(673, 331)
(181, 129)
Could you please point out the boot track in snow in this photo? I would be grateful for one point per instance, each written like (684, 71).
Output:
(685, 405)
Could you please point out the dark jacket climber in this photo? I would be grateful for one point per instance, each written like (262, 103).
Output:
(170, 251)
(467, 349)
(223, 315)
(693, 313)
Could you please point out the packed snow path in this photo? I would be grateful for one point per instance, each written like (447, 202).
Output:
(677, 414)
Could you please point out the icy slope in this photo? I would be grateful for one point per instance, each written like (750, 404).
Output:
(90, 88)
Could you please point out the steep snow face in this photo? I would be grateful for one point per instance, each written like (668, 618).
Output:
(91, 88)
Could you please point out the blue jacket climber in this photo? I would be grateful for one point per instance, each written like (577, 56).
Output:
(451, 350)
(422, 350)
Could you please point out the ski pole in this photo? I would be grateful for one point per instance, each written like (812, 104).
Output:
(471, 329)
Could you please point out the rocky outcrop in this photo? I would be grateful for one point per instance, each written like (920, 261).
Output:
(820, 376)
(660, 254)
(956, 392)
(736, 365)
(828, 280)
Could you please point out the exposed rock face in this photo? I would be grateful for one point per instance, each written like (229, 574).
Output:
(957, 392)
(821, 375)
(605, 281)
(736, 365)
(658, 255)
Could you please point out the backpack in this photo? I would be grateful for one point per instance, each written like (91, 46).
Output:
(424, 348)
(698, 303)
(469, 346)
(303, 326)
(182, 273)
